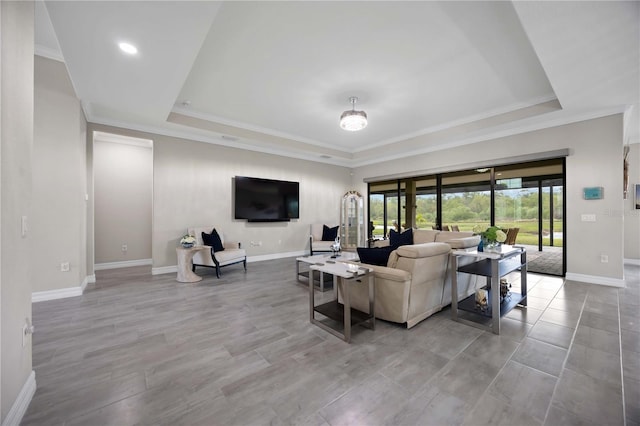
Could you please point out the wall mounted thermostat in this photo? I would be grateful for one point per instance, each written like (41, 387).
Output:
(593, 193)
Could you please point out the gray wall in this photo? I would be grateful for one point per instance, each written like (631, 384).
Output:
(595, 159)
(122, 189)
(59, 180)
(16, 141)
(631, 214)
(193, 187)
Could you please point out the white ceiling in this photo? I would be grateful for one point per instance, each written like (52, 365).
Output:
(275, 76)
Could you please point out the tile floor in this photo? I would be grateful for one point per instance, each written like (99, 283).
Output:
(143, 349)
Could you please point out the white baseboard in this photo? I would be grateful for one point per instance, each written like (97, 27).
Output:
(594, 279)
(164, 270)
(174, 268)
(90, 279)
(61, 293)
(19, 407)
(632, 262)
(123, 264)
(273, 256)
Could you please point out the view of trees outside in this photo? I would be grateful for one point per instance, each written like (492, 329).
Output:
(514, 208)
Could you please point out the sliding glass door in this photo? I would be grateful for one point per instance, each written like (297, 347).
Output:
(525, 199)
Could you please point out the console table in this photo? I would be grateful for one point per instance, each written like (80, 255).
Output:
(346, 275)
(492, 265)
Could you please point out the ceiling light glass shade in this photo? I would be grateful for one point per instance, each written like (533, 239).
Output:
(128, 48)
(353, 120)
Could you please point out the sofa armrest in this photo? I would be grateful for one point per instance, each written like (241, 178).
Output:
(462, 243)
(381, 243)
(232, 245)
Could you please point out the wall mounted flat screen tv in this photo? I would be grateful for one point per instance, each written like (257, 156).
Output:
(266, 200)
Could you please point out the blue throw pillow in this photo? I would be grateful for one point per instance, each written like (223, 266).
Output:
(329, 234)
(375, 256)
(213, 240)
(396, 239)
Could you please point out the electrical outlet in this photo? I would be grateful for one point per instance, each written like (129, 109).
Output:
(27, 329)
(25, 333)
(64, 267)
(604, 258)
(124, 247)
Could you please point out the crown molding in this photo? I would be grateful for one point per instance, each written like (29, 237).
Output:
(49, 53)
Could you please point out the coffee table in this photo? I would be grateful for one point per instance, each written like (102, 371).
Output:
(322, 258)
(346, 275)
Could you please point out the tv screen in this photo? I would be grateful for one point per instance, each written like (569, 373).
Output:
(266, 200)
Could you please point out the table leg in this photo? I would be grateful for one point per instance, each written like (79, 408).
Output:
(347, 310)
(372, 300)
(322, 281)
(495, 297)
(454, 287)
(311, 294)
(523, 277)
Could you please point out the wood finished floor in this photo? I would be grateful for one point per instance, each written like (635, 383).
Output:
(143, 349)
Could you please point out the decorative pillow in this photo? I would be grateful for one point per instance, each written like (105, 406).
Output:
(213, 240)
(375, 256)
(329, 234)
(396, 239)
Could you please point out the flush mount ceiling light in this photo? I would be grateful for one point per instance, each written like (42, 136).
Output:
(353, 120)
(128, 48)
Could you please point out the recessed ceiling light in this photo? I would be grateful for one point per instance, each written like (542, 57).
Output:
(128, 48)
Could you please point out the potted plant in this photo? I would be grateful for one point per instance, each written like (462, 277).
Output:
(188, 241)
(491, 238)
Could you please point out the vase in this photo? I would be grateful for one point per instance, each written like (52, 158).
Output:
(492, 246)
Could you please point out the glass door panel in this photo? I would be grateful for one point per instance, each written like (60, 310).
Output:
(426, 203)
(376, 215)
(466, 199)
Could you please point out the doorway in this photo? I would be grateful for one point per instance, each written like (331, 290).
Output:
(123, 190)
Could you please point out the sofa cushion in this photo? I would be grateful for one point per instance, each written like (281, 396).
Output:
(329, 234)
(213, 240)
(444, 236)
(424, 236)
(397, 239)
(374, 256)
(462, 243)
(423, 250)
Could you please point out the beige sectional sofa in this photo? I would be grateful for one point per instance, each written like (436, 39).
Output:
(416, 283)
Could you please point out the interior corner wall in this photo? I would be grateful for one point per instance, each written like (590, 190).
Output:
(631, 212)
(16, 140)
(193, 186)
(59, 180)
(595, 159)
(122, 192)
